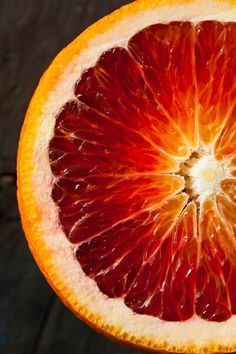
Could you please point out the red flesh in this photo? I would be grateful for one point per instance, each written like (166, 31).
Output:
(114, 155)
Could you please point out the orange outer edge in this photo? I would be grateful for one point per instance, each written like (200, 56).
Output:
(29, 211)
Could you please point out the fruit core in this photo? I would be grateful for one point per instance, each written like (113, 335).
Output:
(203, 174)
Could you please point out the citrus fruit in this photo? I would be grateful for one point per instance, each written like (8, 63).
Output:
(127, 175)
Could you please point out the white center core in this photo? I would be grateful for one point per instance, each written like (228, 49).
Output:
(206, 175)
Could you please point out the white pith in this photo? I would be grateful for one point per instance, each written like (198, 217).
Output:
(114, 311)
(207, 174)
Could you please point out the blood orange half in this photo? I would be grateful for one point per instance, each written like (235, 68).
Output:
(127, 175)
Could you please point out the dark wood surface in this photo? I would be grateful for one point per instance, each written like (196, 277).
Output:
(32, 318)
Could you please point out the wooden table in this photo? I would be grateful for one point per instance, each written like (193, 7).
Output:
(32, 318)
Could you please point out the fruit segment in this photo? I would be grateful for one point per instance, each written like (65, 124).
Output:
(168, 67)
(165, 284)
(215, 58)
(229, 187)
(227, 210)
(226, 142)
(215, 298)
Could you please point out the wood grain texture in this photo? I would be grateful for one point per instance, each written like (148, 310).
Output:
(32, 318)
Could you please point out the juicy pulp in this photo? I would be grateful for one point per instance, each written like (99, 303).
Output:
(144, 231)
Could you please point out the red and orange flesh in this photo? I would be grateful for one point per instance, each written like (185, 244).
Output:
(145, 175)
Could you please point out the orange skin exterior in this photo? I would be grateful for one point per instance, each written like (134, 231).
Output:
(31, 215)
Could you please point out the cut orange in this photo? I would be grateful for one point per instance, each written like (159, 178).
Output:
(127, 175)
